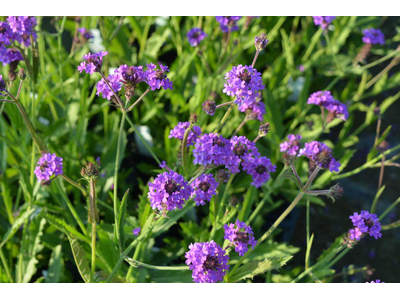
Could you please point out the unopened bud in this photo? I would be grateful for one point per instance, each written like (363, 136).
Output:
(261, 41)
(335, 192)
(209, 107)
(264, 129)
(22, 74)
(193, 118)
(377, 111)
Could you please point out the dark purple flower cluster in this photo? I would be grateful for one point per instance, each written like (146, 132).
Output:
(92, 62)
(209, 107)
(228, 22)
(323, 21)
(10, 55)
(195, 36)
(365, 223)
(373, 36)
(49, 165)
(320, 154)
(179, 130)
(204, 188)
(240, 235)
(212, 149)
(157, 78)
(376, 281)
(169, 191)
(259, 168)
(85, 33)
(243, 82)
(326, 100)
(292, 146)
(103, 88)
(208, 261)
(243, 151)
(131, 75)
(2, 86)
(254, 111)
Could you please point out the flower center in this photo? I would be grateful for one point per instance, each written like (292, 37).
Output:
(160, 75)
(211, 263)
(240, 150)
(171, 187)
(44, 166)
(260, 169)
(218, 142)
(130, 74)
(196, 34)
(242, 237)
(245, 76)
(204, 186)
(324, 157)
(2, 29)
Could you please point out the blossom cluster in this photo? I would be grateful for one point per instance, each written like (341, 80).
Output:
(179, 130)
(195, 36)
(241, 235)
(291, 146)
(227, 23)
(373, 36)
(325, 99)
(49, 166)
(323, 21)
(365, 223)
(204, 188)
(321, 155)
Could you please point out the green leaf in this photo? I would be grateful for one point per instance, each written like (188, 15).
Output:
(80, 259)
(17, 224)
(65, 228)
(255, 268)
(121, 218)
(55, 266)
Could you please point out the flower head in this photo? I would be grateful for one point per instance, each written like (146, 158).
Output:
(92, 62)
(208, 261)
(373, 36)
(254, 111)
(85, 33)
(22, 29)
(365, 223)
(204, 188)
(261, 41)
(49, 166)
(228, 22)
(209, 107)
(259, 168)
(334, 107)
(179, 130)
(195, 36)
(2, 86)
(376, 281)
(291, 146)
(323, 21)
(241, 235)
(320, 154)
(157, 78)
(243, 151)
(169, 191)
(136, 231)
(212, 148)
(104, 89)
(6, 34)
(11, 55)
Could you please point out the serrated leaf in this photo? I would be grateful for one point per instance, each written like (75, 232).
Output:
(65, 228)
(80, 259)
(255, 268)
(17, 224)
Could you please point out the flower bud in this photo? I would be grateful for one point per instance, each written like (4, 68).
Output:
(261, 41)
(383, 146)
(222, 175)
(22, 74)
(193, 118)
(209, 107)
(264, 129)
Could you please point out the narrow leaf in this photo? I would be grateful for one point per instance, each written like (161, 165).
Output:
(17, 224)
(80, 259)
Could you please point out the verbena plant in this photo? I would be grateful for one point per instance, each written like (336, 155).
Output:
(231, 128)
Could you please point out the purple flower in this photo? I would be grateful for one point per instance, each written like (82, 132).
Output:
(92, 62)
(2, 86)
(85, 33)
(156, 78)
(260, 42)
(301, 68)
(253, 111)
(209, 107)
(204, 188)
(240, 235)
(49, 165)
(5, 34)
(104, 89)
(320, 98)
(373, 36)
(131, 75)
(323, 21)
(334, 107)
(195, 36)
(365, 223)
(179, 130)
(169, 191)
(243, 151)
(10, 55)
(212, 148)
(243, 83)
(259, 168)
(226, 22)
(376, 281)
(320, 154)
(292, 146)
(208, 261)
(22, 29)
(136, 231)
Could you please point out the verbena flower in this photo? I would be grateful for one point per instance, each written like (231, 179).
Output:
(292, 146)
(169, 191)
(136, 231)
(259, 168)
(208, 261)
(243, 83)
(10, 55)
(22, 29)
(6, 34)
(373, 36)
(261, 41)
(226, 22)
(321, 155)
(92, 62)
(179, 130)
(334, 107)
(103, 88)
(212, 148)
(49, 166)
(243, 150)
(365, 223)
(255, 111)
(204, 188)
(85, 33)
(2, 86)
(376, 281)
(195, 36)
(157, 78)
(209, 107)
(323, 21)
(241, 235)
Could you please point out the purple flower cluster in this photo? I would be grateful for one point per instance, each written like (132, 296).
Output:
(92, 62)
(228, 22)
(179, 130)
(376, 281)
(131, 75)
(204, 188)
(208, 261)
(195, 36)
(365, 223)
(240, 235)
(320, 154)
(103, 88)
(373, 36)
(254, 111)
(325, 99)
(156, 78)
(2, 86)
(292, 146)
(212, 148)
(243, 150)
(169, 191)
(85, 33)
(48, 165)
(136, 231)
(323, 21)
(259, 168)
(243, 82)
(10, 55)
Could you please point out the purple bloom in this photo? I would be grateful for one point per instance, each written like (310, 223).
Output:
(22, 29)
(169, 191)
(85, 33)
(321, 98)
(92, 62)
(243, 150)
(209, 107)
(131, 75)
(179, 130)
(253, 111)
(136, 231)
(212, 148)
(376, 281)
(301, 68)
(49, 165)
(204, 188)
(323, 21)
(10, 55)
(240, 235)
(104, 89)
(320, 154)
(373, 36)
(365, 223)
(260, 42)
(195, 36)
(5, 34)
(335, 108)
(226, 22)
(208, 261)
(2, 86)
(292, 146)
(259, 168)
(157, 78)
(243, 82)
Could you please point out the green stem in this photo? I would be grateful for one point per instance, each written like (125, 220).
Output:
(93, 251)
(184, 148)
(3, 260)
(389, 209)
(136, 263)
(202, 170)
(222, 122)
(75, 184)
(138, 100)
